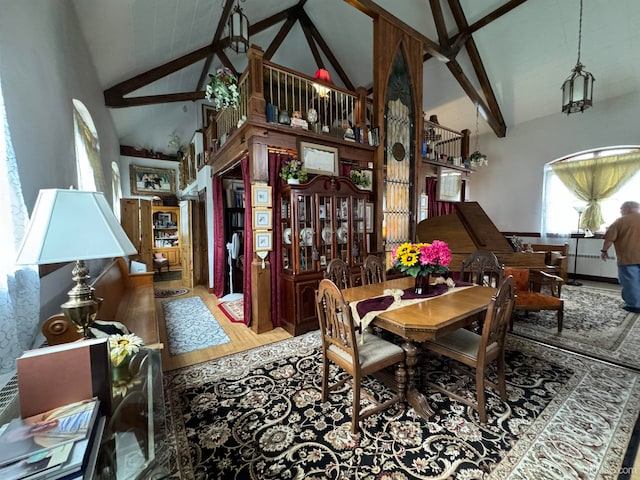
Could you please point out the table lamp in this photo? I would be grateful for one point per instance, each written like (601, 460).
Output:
(68, 225)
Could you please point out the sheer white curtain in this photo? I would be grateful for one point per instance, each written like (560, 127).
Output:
(19, 287)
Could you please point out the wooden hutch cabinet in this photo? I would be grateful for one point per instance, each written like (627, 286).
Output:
(320, 220)
(166, 233)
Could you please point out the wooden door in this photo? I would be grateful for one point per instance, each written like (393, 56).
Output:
(186, 243)
(135, 218)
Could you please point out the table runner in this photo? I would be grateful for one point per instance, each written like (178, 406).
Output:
(364, 311)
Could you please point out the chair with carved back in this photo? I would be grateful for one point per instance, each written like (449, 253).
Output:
(479, 350)
(372, 270)
(530, 296)
(482, 268)
(358, 357)
(339, 273)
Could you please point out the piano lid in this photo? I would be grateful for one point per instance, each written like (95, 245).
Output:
(465, 231)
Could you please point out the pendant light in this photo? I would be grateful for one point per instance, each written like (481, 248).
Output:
(577, 89)
(238, 30)
(323, 75)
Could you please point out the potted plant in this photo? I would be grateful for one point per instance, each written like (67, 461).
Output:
(293, 172)
(222, 89)
(478, 159)
(360, 178)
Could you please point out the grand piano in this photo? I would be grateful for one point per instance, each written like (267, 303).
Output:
(470, 229)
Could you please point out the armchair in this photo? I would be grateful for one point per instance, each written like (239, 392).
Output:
(556, 256)
(529, 297)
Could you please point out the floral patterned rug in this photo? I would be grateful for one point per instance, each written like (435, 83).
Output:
(234, 310)
(191, 326)
(258, 415)
(169, 292)
(594, 324)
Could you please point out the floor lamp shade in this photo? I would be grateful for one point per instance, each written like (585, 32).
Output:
(69, 225)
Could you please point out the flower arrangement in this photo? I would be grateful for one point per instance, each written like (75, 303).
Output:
(477, 159)
(292, 169)
(222, 89)
(422, 259)
(359, 178)
(121, 346)
(175, 142)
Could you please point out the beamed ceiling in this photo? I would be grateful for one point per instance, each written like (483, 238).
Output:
(510, 57)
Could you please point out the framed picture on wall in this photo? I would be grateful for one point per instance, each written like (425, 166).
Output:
(262, 219)
(368, 217)
(319, 159)
(207, 112)
(152, 181)
(449, 185)
(263, 241)
(261, 196)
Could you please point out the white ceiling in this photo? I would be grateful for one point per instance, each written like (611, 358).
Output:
(527, 53)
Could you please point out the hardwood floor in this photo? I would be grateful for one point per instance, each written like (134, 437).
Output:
(242, 337)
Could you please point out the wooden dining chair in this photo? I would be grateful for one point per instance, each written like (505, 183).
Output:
(372, 270)
(478, 351)
(482, 268)
(339, 273)
(357, 357)
(531, 296)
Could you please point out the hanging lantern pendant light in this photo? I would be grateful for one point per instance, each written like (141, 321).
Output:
(238, 30)
(577, 89)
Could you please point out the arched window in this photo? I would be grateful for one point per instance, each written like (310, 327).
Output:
(116, 187)
(594, 183)
(88, 164)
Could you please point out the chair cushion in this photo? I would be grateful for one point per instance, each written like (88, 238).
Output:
(535, 300)
(464, 342)
(520, 278)
(160, 261)
(158, 255)
(371, 351)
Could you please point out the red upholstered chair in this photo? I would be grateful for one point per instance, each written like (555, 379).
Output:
(160, 262)
(529, 298)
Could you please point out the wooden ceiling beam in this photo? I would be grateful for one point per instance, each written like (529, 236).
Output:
(153, 99)
(312, 44)
(216, 38)
(304, 18)
(478, 65)
(279, 38)
(368, 7)
(114, 95)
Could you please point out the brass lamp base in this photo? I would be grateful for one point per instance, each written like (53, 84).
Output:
(82, 307)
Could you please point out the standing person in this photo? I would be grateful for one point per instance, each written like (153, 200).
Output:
(624, 234)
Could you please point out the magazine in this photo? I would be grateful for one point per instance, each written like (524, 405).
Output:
(39, 434)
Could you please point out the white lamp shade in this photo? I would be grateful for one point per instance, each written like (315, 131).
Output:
(69, 225)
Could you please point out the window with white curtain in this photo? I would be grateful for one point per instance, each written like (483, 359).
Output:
(560, 216)
(116, 188)
(19, 286)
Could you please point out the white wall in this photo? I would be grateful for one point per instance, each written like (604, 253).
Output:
(44, 64)
(509, 189)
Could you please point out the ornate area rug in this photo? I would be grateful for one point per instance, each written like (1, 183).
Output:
(169, 292)
(594, 324)
(191, 326)
(258, 415)
(234, 310)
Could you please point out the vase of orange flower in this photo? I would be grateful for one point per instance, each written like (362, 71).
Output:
(421, 260)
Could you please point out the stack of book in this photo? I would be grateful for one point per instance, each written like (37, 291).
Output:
(65, 392)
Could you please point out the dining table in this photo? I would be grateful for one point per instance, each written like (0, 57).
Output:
(393, 307)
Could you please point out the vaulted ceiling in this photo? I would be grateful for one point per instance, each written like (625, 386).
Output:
(509, 56)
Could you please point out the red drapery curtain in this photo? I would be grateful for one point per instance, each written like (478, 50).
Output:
(275, 160)
(219, 256)
(248, 240)
(435, 207)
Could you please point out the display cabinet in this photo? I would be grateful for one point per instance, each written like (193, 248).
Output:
(320, 220)
(166, 233)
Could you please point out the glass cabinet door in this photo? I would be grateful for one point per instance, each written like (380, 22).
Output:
(303, 220)
(358, 234)
(285, 222)
(342, 228)
(327, 231)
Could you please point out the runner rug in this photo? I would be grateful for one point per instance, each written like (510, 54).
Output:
(169, 292)
(594, 324)
(191, 326)
(259, 415)
(234, 310)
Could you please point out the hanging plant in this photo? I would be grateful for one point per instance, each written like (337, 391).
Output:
(478, 159)
(222, 89)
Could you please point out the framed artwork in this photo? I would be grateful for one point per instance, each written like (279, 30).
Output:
(164, 220)
(152, 181)
(261, 196)
(368, 217)
(262, 219)
(263, 241)
(449, 185)
(319, 159)
(207, 112)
